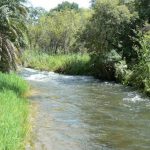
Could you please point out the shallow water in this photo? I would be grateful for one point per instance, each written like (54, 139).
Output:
(82, 113)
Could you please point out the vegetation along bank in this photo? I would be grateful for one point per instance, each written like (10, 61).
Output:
(111, 40)
(14, 107)
(14, 112)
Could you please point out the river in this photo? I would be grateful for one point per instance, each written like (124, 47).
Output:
(83, 113)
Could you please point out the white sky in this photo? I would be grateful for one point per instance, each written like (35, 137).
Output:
(48, 4)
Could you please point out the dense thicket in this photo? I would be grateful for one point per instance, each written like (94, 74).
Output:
(143, 8)
(117, 38)
(106, 37)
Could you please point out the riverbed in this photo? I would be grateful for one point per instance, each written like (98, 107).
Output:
(83, 113)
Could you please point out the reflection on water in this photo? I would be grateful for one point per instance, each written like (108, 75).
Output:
(82, 113)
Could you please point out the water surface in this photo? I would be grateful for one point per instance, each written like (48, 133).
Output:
(82, 113)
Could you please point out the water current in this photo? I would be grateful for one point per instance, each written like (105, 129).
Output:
(83, 113)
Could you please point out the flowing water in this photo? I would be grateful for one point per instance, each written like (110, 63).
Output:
(82, 113)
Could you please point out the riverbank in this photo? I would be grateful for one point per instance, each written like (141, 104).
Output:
(14, 110)
(71, 64)
(82, 64)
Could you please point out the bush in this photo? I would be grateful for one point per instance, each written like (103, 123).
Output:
(103, 66)
(121, 71)
(141, 72)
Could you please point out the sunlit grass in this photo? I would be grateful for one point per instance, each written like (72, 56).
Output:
(77, 64)
(13, 82)
(14, 111)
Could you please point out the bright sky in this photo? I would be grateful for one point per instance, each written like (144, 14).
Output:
(48, 4)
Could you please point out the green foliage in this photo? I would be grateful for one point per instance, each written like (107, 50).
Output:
(66, 6)
(115, 26)
(143, 8)
(12, 32)
(122, 73)
(141, 72)
(35, 14)
(14, 111)
(77, 64)
(110, 32)
(107, 34)
(13, 82)
(93, 2)
(107, 24)
(103, 66)
(56, 32)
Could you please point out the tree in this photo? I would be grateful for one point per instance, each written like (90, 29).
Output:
(102, 36)
(66, 6)
(93, 2)
(143, 8)
(36, 13)
(106, 25)
(56, 32)
(12, 27)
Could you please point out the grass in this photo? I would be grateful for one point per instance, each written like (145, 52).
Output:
(14, 83)
(14, 111)
(75, 64)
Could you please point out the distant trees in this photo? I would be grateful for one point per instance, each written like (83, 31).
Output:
(35, 14)
(66, 6)
(56, 31)
(114, 25)
(12, 32)
(93, 2)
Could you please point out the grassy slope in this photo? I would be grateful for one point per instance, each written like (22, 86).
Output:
(75, 64)
(14, 110)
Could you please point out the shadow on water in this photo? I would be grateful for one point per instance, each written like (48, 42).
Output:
(82, 113)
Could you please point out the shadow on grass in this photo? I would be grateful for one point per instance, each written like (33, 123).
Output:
(14, 83)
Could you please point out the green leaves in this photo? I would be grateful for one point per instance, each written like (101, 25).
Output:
(66, 6)
(143, 8)
(12, 29)
(107, 23)
(56, 32)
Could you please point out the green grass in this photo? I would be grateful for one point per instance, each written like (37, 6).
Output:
(14, 83)
(14, 112)
(75, 64)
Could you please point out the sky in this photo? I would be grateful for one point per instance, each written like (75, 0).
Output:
(48, 4)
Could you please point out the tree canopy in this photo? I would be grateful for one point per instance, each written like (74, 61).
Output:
(56, 31)
(66, 6)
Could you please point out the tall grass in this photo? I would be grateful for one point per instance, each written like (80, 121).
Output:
(14, 111)
(14, 83)
(77, 64)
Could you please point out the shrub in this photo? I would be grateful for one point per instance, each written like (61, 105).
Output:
(141, 72)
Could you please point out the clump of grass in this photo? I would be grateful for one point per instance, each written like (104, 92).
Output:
(14, 111)
(77, 64)
(14, 83)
